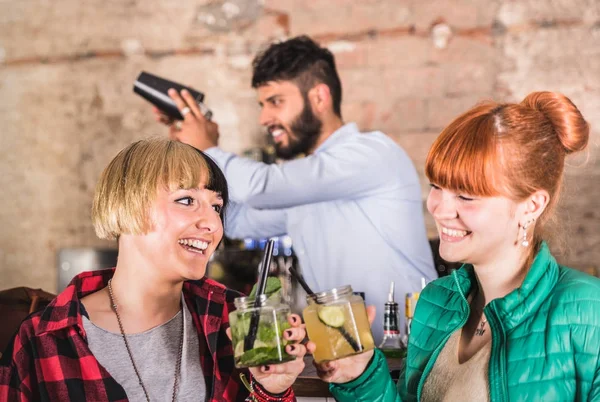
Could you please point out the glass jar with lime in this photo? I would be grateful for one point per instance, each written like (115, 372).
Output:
(336, 321)
(264, 345)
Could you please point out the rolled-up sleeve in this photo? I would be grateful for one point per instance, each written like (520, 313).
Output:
(242, 221)
(342, 172)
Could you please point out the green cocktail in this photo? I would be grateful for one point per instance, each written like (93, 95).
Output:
(268, 346)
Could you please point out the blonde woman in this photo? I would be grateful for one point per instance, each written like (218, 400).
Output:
(154, 328)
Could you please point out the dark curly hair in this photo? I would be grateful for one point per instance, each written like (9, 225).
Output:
(301, 60)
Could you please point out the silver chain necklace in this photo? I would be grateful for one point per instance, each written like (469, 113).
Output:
(137, 373)
(481, 326)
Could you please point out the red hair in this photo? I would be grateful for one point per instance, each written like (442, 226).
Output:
(509, 149)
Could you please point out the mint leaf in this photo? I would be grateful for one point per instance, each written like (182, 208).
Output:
(273, 285)
(262, 356)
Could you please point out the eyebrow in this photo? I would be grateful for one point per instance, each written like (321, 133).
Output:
(270, 99)
(218, 193)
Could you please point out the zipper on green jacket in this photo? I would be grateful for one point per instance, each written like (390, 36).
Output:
(497, 362)
(437, 351)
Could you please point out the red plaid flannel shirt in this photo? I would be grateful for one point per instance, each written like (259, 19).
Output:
(49, 358)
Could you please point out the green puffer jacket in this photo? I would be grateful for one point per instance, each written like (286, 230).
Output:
(545, 338)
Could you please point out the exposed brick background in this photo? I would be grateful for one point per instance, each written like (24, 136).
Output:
(66, 104)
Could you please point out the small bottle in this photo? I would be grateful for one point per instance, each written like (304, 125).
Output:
(392, 344)
(409, 312)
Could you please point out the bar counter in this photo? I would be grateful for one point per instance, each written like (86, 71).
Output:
(308, 384)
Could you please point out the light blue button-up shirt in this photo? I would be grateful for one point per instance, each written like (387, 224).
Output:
(353, 209)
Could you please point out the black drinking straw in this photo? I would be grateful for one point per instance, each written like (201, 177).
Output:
(355, 346)
(260, 290)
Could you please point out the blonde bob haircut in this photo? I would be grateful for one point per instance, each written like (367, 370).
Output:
(129, 185)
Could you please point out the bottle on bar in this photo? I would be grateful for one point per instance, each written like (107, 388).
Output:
(392, 344)
(409, 311)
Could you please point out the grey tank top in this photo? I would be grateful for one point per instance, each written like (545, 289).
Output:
(155, 354)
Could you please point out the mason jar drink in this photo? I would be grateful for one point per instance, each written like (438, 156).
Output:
(336, 321)
(266, 345)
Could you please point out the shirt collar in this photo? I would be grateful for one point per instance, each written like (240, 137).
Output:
(65, 310)
(338, 135)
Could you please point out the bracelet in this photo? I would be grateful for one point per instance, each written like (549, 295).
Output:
(259, 393)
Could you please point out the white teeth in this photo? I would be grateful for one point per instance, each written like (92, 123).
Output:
(276, 133)
(454, 232)
(202, 245)
(199, 244)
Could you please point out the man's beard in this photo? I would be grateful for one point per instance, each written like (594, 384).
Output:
(305, 130)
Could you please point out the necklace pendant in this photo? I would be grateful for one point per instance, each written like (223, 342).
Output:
(479, 331)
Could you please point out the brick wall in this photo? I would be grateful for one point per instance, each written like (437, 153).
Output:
(66, 105)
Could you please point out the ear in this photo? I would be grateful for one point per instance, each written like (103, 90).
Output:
(534, 206)
(320, 98)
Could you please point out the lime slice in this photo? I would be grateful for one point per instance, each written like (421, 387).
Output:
(239, 349)
(332, 316)
(260, 344)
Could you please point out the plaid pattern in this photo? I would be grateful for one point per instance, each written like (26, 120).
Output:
(49, 358)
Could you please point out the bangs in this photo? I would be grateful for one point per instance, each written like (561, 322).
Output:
(217, 181)
(183, 168)
(128, 186)
(465, 157)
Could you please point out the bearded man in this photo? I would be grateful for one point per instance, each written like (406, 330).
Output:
(352, 205)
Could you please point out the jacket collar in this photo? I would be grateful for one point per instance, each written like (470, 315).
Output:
(518, 305)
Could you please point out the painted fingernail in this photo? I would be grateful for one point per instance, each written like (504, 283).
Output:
(292, 348)
(267, 368)
(294, 319)
(288, 333)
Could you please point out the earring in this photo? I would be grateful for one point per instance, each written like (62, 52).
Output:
(525, 242)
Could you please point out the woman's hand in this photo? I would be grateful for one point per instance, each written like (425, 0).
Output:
(276, 378)
(348, 368)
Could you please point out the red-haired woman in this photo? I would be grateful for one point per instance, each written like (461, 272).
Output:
(511, 323)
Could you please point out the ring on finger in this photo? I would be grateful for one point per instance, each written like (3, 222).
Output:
(178, 124)
(185, 111)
